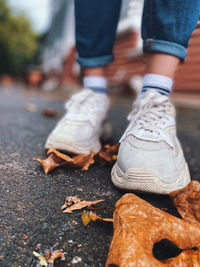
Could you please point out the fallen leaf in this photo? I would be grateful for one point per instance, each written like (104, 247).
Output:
(80, 205)
(186, 258)
(42, 259)
(108, 154)
(187, 202)
(138, 226)
(48, 112)
(85, 217)
(57, 254)
(70, 200)
(55, 158)
(84, 161)
(91, 216)
(30, 107)
(51, 163)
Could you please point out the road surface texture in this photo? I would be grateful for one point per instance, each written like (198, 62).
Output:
(31, 200)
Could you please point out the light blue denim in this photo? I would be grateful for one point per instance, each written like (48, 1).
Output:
(167, 26)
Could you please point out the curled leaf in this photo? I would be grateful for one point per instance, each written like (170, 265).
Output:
(108, 154)
(57, 254)
(85, 218)
(55, 158)
(42, 259)
(51, 163)
(69, 201)
(91, 216)
(187, 202)
(80, 205)
(138, 226)
(84, 161)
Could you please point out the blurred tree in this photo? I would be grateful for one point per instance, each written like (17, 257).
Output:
(18, 42)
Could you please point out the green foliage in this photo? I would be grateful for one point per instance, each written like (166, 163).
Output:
(18, 42)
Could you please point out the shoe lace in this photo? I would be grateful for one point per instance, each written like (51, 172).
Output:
(149, 115)
(81, 103)
(81, 106)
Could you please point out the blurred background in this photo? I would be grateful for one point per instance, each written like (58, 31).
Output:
(38, 72)
(37, 48)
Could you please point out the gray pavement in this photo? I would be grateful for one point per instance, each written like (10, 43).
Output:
(31, 201)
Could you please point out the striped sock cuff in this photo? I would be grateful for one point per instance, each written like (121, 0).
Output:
(97, 84)
(160, 83)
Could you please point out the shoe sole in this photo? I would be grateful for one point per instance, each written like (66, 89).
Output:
(68, 145)
(143, 180)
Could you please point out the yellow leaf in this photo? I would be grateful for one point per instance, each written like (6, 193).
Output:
(94, 217)
(42, 259)
(85, 218)
(88, 216)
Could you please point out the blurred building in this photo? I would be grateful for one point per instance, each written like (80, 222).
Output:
(58, 57)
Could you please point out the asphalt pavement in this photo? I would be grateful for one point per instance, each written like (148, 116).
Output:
(31, 200)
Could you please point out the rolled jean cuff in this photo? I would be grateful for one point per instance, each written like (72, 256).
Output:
(174, 49)
(95, 61)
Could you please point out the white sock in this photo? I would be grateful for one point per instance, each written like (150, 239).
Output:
(160, 83)
(98, 84)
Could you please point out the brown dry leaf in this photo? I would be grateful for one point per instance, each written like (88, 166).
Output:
(138, 226)
(187, 202)
(55, 158)
(57, 254)
(60, 155)
(48, 112)
(70, 200)
(80, 205)
(186, 258)
(51, 162)
(108, 154)
(84, 161)
(88, 216)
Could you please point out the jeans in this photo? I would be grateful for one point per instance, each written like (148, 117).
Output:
(167, 26)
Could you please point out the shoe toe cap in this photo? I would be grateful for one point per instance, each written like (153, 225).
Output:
(157, 159)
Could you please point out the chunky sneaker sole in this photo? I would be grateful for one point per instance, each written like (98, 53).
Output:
(144, 180)
(69, 145)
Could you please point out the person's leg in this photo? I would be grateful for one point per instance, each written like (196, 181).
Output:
(79, 130)
(166, 30)
(96, 23)
(150, 157)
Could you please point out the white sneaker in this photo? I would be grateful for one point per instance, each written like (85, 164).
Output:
(150, 157)
(78, 131)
